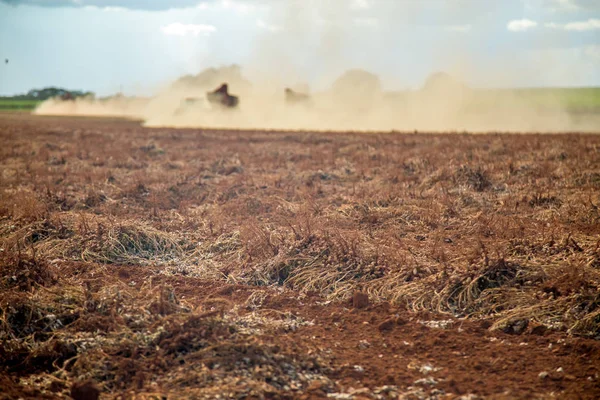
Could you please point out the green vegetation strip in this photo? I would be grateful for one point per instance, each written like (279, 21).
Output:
(11, 104)
(570, 98)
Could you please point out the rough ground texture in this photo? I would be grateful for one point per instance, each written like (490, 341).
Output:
(155, 263)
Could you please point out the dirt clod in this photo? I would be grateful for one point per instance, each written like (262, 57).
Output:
(386, 325)
(539, 330)
(516, 327)
(85, 391)
(360, 300)
(315, 386)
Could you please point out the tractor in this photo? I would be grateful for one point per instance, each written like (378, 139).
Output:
(222, 98)
(294, 98)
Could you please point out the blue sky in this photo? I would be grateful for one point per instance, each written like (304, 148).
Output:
(101, 45)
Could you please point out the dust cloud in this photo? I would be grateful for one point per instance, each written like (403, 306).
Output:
(347, 96)
(356, 101)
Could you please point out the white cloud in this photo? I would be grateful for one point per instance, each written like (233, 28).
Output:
(179, 29)
(568, 5)
(238, 6)
(107, 9)
(579, 26)
(114, 9)
(149, 5)
(459, 28)
(263, 25)
(360, 4)
(521, 25)
(553, 6)
(560, 6)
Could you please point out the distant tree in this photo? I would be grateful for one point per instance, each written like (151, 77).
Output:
(51, 92)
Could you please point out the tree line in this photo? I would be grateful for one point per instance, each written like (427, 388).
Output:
(50, 92)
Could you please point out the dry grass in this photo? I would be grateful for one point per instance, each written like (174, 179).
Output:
(503, 228)
(498, 227)
(115, 334)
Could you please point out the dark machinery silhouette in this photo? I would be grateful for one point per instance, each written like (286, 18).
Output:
(293, 98)
(221, 97)
(67, 96)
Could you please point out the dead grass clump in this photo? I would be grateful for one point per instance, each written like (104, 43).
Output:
(14, 388)
(474, 295)
(95, 323)
(227, 166)
(165, 303)
(32, 235)
(137, 191)
(591, 179)
(22, 316)
(49, 356)
(94, 199)
(319, 176)
(132, 244)
(540, 200)
(497, 274)
(182, 336)
(59, 201)
(182, 349)
(95, 238)
(325, 263)
(25, 206)
(564, 297)
(56, 160)
(194, 267)
(522, 170)
(152, 150)
(569, 279)
(477, 179)
(588, 324)
(23, 272)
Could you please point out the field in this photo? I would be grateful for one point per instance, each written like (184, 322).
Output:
(198, 263)
(575, 100)
(7, 103)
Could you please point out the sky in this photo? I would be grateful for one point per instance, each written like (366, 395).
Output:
(140, 45)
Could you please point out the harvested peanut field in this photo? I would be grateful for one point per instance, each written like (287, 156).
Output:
(198, 263)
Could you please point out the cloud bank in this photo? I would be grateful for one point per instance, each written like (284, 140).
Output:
(150, 5)
(579, 26)
(521, 25)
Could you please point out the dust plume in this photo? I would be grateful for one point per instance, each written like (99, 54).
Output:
(355, 101)
(326, 51)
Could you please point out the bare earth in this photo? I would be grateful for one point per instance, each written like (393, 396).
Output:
(171, 263)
